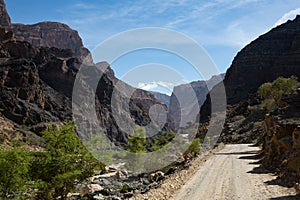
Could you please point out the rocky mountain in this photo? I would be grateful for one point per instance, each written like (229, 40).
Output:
(164, 98)
(5, 19)
(37, 84)
(274, 54)
(182, 113)
(281, 141)
(46, 34)
(37, 75)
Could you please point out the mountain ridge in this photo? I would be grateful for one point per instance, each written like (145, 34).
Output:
(273, 54)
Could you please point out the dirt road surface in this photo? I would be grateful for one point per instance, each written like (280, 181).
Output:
(232, 174)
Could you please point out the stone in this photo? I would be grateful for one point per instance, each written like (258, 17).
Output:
(94, 188)
(155, 177)
(98, 197)
(121, 174)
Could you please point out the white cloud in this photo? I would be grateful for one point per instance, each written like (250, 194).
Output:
(147, 86)
(156, 84)
(84, 6)
(289, 15)
(166, 84)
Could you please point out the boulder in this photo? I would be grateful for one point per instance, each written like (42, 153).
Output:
(156, 176)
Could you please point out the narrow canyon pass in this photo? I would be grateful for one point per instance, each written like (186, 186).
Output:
(140, 143)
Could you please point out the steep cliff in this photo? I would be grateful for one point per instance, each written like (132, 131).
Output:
(274, 54)
(4, 17)
(38, 67)
(36, 85)
(45, 34)
(162, 97)
(51, 34)
(282, 140)
(182, 113)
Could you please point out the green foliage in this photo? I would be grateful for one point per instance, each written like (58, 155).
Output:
(2, 139)
(272, 92)
(53, 172)
(136, 148)
(99, 146)
(159, 141)
(194, 148)
(65, 162)
(126, 188)
(14, 165)
(136, 143)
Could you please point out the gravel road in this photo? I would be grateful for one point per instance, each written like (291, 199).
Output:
(232, 174)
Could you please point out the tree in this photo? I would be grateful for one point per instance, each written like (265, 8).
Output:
(14, 165)
(65, 162)
(137, 142)
(272, 92)
(136, 149)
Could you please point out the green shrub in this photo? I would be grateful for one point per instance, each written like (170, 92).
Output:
(272, 92)
(65, 162)
(14, 166)
(136, 149)
(194, 148)
(137, 142)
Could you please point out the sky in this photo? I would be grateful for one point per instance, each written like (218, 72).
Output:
(220, 27)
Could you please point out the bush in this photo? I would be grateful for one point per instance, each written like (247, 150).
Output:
(272, 92)
(137, 142)
(65, 162)
(14, 166)
(194, 148)
(136, 148)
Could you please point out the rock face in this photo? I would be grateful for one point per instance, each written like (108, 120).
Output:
(51, 34)
(282, 140)
(25, 97)
(182, 104)
(4, 17)
(162, 97)
(36, 85)
(45, 34)
(274, 54)
(38, 67)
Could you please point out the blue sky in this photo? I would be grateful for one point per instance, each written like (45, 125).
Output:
(221, 27)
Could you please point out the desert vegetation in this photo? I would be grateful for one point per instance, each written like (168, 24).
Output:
(272, 92)
(49, 174)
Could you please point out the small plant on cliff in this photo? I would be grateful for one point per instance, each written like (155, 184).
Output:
(272, 92)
